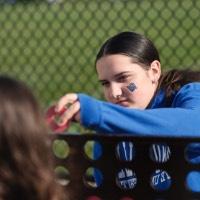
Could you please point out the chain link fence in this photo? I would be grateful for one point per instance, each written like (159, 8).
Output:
(52, 44)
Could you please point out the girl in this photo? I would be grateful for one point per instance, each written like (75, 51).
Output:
(141, 100)
(26, 167)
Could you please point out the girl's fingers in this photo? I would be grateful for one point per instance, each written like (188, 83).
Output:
(65, 100)
(70, 113)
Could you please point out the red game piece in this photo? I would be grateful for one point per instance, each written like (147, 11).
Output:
(50, 117)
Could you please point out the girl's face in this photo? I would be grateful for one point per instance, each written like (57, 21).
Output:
(116, 72)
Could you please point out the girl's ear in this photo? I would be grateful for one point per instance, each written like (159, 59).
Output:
(155, 71)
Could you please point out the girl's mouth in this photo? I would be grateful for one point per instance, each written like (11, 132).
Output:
(124, 103)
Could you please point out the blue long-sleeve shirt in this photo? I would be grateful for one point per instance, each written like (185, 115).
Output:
(180, 119)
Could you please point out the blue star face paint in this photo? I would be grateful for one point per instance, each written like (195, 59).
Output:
(131, 87)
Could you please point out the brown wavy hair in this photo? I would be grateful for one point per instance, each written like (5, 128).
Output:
(26, 165)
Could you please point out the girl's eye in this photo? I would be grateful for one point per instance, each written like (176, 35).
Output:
(105, 84)
(122, 79)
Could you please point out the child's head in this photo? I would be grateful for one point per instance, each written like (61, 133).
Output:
(124, 59)
(26, 166)
(19, 111)
(131, 44)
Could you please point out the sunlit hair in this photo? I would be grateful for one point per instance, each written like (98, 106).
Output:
(26, 166)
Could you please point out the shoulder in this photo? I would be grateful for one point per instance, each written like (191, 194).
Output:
(189, 89)
(189, 95)
(190, 86)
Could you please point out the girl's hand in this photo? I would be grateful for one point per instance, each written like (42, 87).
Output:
(71, 103)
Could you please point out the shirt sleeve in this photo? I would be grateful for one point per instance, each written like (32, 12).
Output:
(182, 119)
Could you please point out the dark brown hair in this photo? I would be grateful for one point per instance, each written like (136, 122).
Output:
(131, 44)
(26, 165)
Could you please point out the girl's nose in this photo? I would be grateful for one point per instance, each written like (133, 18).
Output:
(115, 91)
